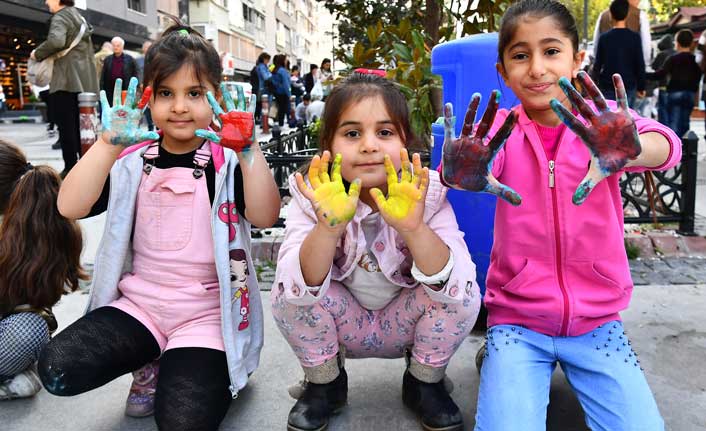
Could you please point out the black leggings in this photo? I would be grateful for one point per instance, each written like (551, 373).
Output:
(192, 389)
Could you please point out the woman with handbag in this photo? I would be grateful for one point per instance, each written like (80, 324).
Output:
(69, 45)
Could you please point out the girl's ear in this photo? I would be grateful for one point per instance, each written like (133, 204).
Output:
(578, 60)
(501, 70)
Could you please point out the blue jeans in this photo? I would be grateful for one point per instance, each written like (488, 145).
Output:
(600, 366)
(663, 108)
(680, 103)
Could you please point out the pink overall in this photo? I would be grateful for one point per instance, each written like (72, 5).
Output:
(173, 288)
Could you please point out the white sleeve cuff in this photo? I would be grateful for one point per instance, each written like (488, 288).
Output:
(440, 277)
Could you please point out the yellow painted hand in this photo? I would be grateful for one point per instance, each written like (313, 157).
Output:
(404, 207)
(334, 207)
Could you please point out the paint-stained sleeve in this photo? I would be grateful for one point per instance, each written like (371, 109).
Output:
(645, 125)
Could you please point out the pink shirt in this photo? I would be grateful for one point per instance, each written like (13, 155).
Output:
(550, 138)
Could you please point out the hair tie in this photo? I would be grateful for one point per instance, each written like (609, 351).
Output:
(379, 72)
(183, 32)
(28, 167)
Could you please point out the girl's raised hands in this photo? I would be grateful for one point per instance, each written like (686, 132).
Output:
(237, 126)
(334, 207)
(121, 122)
(611, 136)
(403, 209)
(467, 160)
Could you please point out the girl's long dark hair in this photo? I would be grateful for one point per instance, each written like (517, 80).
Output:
(40, 250)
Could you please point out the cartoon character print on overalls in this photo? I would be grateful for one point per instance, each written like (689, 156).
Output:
(239, 282)
(228, 214)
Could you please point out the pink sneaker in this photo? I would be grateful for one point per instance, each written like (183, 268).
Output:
(140, 401)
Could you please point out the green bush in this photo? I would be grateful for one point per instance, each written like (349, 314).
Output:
(632, 250)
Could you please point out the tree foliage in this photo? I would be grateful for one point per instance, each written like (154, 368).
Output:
(663, 10)
(399, 36)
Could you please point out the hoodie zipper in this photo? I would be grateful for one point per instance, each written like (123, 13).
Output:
(560, 275)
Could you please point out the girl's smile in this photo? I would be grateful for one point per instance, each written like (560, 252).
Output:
(534, 60)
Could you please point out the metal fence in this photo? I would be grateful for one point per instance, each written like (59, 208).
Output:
(664, 197)
(661, 197)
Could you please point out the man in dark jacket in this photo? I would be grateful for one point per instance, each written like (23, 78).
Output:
(119, 65)
(310, 78)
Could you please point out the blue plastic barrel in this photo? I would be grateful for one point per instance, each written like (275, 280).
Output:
(467, 66)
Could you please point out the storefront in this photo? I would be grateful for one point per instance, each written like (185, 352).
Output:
(18, 38)
(24, 25)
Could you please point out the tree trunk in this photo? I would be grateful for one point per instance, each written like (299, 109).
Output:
(431, 26)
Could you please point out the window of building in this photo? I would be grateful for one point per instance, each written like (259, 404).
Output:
(136, 5)
(247, 13)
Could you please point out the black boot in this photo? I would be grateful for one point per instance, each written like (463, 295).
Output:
(432, 403)
(480, 355)
(317, 403)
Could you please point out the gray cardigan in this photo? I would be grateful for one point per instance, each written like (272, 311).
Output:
(114, 257)
(75, 72)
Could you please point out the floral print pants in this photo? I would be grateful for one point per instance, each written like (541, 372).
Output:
(432, 330)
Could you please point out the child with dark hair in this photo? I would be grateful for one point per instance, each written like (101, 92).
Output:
(179, 208)
(39, 261)
(373, 264)
(300, 111)
(283, 87)
(620, 51)
(684, 75)
(559, 274)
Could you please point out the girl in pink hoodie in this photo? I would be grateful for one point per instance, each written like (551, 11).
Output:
(559, 274)
(377, 271)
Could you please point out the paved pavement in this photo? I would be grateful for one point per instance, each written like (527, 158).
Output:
(665, 322)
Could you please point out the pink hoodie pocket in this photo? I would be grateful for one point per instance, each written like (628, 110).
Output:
(525, 287)
(595, 293)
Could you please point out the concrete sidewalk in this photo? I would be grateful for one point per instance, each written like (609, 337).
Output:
(665, 324)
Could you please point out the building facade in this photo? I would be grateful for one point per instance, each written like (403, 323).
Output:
(239, 29)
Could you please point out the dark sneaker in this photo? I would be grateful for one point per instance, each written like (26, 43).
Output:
(432, 403)
(318, 403)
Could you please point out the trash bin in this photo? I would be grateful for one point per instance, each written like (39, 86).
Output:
(467, 66)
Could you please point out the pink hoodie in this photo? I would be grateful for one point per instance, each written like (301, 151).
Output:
(558, 268)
